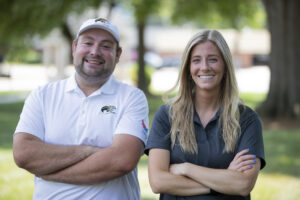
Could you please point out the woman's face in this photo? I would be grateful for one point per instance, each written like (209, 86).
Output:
(207, 66)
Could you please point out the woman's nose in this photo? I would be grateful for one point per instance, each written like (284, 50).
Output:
(204, 65)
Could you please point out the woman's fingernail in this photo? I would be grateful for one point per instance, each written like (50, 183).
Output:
(254, 160)
(247, 149)
(254, 156)
(250, 166)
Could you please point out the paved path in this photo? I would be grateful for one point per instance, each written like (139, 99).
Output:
(251, 80)
(27, 78)
(11, 98)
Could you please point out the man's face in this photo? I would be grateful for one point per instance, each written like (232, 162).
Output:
(95, 55)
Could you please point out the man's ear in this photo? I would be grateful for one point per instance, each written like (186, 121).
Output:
(119, 52)
(74, 45)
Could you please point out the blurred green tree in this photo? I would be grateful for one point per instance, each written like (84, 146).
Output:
(283, 22)
(143, 10)
(219, 14)
(283, 99)
(21, 20)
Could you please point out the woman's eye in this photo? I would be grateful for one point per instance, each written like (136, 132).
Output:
(213, 60)
(196, 60)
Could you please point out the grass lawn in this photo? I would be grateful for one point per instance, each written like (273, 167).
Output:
(279, 180)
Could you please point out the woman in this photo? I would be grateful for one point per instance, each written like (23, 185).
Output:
(205, 144)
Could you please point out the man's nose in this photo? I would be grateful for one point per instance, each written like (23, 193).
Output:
(95, 50)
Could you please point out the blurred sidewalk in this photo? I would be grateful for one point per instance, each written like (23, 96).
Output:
(26, 78)
(250, 80)
(254, 79)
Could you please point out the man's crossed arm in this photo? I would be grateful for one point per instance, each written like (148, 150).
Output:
(77, 164)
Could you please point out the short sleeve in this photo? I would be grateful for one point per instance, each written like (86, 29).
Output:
(134, 120)
(31, 119)
(159, 136)
(251, 135)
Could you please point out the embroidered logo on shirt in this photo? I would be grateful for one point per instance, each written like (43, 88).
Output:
(144, 126)
(109, 109)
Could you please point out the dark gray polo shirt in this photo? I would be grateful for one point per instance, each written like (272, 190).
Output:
(210, 145)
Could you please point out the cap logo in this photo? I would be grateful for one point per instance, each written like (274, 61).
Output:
(101, 20)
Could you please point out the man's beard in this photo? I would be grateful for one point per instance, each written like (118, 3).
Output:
(100, 75)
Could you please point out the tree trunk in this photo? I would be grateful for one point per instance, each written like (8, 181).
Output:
(68, 35)
(283, 100)
(111, 5)
(142, 82)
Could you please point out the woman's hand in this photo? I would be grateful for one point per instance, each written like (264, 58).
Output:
(242, 162)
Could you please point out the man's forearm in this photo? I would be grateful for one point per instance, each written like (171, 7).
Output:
(106, 164)
(88, 171)
(40, 158)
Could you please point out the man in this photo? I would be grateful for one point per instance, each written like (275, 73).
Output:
(82, 137)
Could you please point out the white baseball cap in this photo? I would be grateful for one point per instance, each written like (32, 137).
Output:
(100, 23)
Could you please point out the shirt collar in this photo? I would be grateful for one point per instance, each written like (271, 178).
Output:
(197, 119)
(109, 87)
(71, 84)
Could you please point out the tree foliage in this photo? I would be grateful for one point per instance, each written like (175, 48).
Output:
(219, 13)
(143, 10)
(20, 19)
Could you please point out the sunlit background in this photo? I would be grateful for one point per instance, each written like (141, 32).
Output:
(153, 36)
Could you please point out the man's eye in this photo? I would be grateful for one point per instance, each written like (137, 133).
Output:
(106, 46)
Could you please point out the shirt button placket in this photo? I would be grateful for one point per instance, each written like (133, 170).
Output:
(83, 112)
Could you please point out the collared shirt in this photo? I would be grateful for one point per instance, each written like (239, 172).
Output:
(59, 113)
(210, 144)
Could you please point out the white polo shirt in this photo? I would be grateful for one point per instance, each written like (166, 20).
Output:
(59, 113)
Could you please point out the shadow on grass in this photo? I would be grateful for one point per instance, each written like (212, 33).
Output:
(282, 152)
(9, 116)
(143, 163)
(147, 198)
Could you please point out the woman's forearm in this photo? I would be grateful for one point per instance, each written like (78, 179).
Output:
(223, 180)
(165, 182)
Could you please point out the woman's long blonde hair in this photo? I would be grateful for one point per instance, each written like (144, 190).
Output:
(182, 106)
